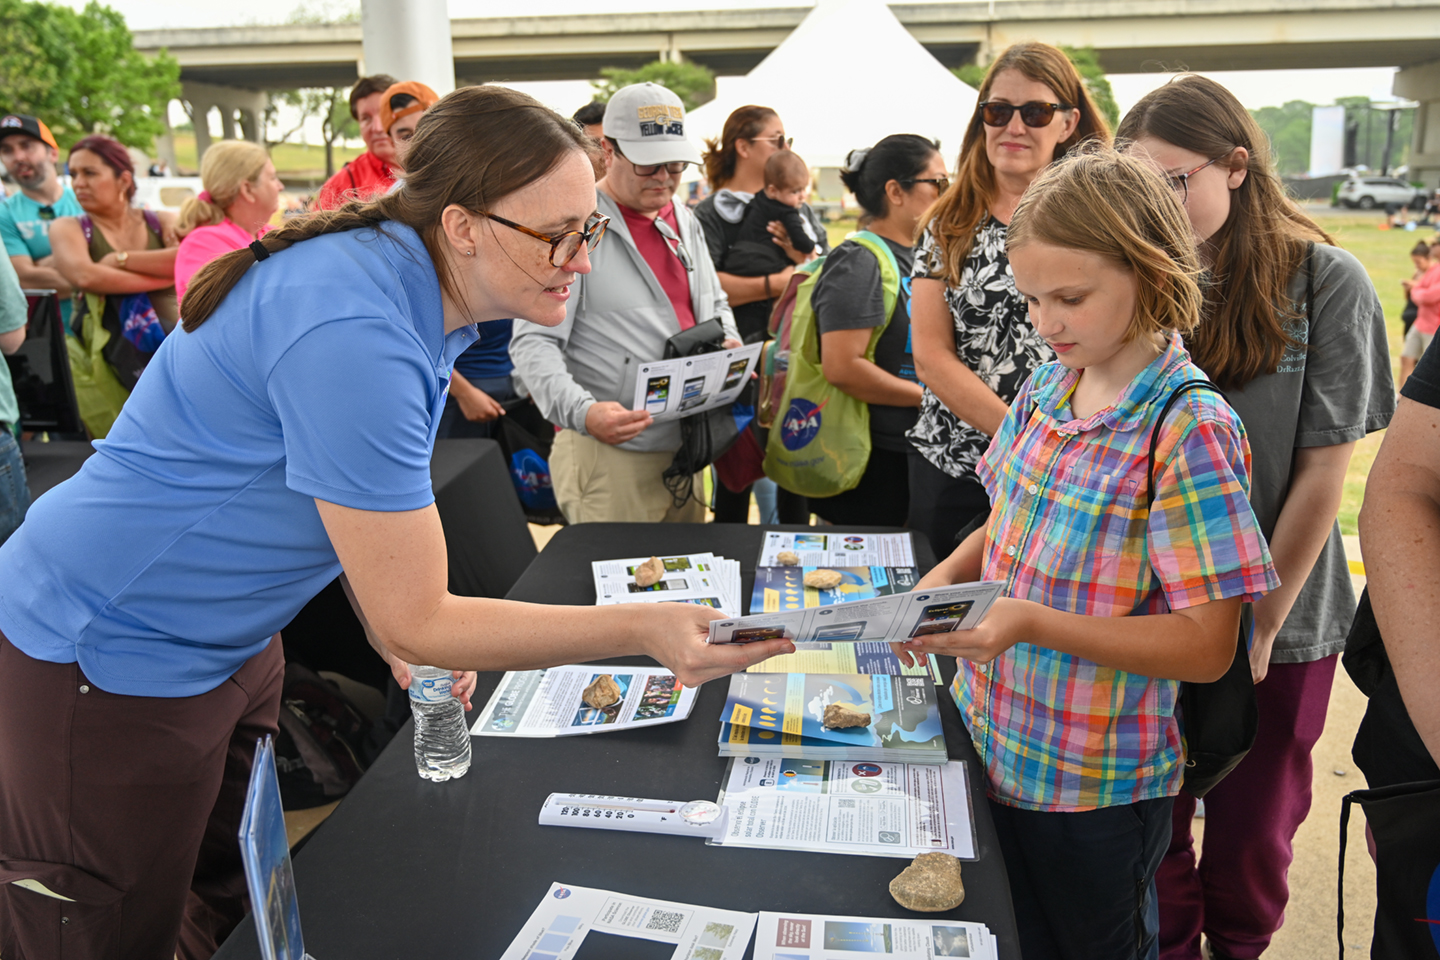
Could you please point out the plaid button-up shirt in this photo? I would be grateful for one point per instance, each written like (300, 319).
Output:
(1072, 531)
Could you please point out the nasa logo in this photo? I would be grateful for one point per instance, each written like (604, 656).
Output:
(801, 423)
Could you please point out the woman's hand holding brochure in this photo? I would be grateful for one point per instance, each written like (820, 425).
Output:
(680, 642)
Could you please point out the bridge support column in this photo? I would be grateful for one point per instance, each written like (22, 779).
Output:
(165, 143)
(410, 40)
(1421, 83)
(203, 96)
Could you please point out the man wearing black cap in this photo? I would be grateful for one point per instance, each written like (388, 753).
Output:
(29, 152)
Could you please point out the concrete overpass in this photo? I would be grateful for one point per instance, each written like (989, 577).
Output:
(227, 67)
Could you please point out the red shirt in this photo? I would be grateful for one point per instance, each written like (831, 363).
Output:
(363, 178)
(660, 254)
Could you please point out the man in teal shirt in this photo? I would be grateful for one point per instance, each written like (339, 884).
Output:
(14, 492)
(29, 152)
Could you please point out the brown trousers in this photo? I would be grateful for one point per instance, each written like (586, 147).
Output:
(119, 815)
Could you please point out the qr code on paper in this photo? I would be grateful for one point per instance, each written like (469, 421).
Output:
(665, 921)
(845, 804)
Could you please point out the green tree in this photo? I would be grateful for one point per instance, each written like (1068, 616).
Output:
(332, 105)
(1288, 128)
(1087, 64)
(691, 82)
(79, 71)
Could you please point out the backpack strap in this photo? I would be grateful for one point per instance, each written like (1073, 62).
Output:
(889, 282)
(1185, 387)
(87, 227)
(152, 221)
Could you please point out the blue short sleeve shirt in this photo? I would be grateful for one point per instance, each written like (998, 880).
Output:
(192, 535)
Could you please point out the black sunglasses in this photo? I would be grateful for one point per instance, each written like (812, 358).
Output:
(1036, 113)
(941, 183)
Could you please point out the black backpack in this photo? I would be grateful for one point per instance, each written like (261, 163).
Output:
(325, 742)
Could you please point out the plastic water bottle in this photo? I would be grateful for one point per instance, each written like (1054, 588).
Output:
(442, 738)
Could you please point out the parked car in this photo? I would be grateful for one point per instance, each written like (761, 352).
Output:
(1367, 193)
(166, 193)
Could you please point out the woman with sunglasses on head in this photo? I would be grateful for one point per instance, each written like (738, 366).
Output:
(282, 439)
(735, 169)
(863, 351)
(1294, 334)
(972, 343)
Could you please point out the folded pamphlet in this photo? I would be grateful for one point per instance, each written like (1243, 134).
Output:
(883, 618)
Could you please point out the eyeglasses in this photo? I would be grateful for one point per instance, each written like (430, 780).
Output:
(668, 232)
(1180, 182)
(564, 247)
(1036, 113)
(779, 141)
(676, 167)
(941, 183)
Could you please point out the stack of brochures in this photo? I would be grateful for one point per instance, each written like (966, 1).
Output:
(701, 578)
(783, 715)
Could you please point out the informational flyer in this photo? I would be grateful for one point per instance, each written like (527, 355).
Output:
(783, 588)
(606, 924)
(701, 578)
(803, 936)
(548, 703)
(879, 619)
(671, 389)
(859, 808)
(846, 658)
(839, 549)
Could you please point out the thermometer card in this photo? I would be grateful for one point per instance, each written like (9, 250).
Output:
(607, 924)
(889, 619)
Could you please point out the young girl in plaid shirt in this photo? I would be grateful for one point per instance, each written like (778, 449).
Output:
(1069, 685)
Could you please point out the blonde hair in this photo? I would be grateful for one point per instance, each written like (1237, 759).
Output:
(954, 217)
(1119, 207)
(226, 165)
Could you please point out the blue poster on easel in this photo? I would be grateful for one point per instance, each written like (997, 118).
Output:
(266, 852)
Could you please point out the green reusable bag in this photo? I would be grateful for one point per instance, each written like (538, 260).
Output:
(819, 445)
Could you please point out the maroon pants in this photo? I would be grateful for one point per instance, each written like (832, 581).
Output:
(1238, 893)
(119, 815)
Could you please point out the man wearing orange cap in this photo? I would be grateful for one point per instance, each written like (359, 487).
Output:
(29, 152)
(371, 173)
(400, 109)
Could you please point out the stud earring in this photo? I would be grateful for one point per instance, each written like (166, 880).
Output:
(469, 253)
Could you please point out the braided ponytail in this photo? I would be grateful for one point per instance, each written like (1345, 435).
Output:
(474, 147)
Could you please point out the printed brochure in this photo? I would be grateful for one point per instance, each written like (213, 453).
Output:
(846, 658)
(801, 936)
(701, 578)
(671, 389)
(858, 808)
(547, 703)
(839, 549)
(885, 618)
(570, 917)
(783, 588)
(778, 714)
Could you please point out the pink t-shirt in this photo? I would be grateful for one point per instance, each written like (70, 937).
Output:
(204, 244)
(1426, 295)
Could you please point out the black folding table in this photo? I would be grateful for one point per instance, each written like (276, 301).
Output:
(406, 868)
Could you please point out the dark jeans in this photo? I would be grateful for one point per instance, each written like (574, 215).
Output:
(880, 499)
(942, 505)
(14, 492)
(1083, 884)
(454, 426)
(128, 806)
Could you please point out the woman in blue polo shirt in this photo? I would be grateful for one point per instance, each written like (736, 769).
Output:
(283, 437)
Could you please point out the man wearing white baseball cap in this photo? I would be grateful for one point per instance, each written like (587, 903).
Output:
(653, 280)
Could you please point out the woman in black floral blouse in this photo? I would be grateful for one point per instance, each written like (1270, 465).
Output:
(972, 342)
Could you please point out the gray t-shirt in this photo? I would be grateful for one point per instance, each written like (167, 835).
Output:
(1334, 389)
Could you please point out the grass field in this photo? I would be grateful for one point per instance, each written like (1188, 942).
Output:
(295, 163)
(1385, 254)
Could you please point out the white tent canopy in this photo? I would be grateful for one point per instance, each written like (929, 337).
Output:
(849, 75)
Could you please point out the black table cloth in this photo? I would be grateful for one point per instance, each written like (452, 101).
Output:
(406, 868)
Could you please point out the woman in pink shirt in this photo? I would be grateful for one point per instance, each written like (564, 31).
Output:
(241, 194)
(1425, 294)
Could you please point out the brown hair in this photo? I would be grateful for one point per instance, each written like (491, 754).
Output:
(474, 147)
(112, 153)
(368, 87)
(1119, 207)
(785, 170)
(955, 216)
(719, 157)
(226, 165)
(1258, 248)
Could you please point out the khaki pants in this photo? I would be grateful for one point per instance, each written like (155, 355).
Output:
(599, 483)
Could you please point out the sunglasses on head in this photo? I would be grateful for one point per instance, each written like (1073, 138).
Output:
(1036, 113)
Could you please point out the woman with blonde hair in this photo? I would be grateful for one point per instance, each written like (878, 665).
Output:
(242, 193)
(972, 345)
(1295, 335)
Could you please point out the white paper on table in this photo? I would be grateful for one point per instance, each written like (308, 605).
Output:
(803, 936)
(892, 618)
(568, 914)
(671, 389)
(830, 549)
(546, 703)
(700, 578)
(851, 807)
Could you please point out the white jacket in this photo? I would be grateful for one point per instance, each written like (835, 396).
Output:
(618, 317)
